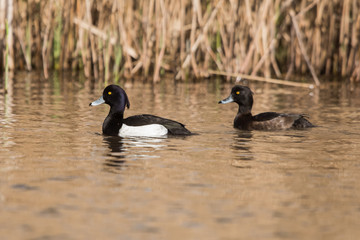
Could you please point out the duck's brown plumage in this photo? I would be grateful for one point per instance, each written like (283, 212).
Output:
(264, 121)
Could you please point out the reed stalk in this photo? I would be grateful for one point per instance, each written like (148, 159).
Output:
(28, 46)
(57, 39)
(6, 85)
(118, 59)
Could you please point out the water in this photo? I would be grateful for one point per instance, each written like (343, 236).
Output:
(61, 179)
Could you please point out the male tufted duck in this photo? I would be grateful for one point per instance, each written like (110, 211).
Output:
(264, 121)
(139, 125)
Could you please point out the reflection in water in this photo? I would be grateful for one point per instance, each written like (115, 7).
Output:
(143, 147)
(128, 149)
(148, 143)
(241, 146)
(6, 115)
(116, 158)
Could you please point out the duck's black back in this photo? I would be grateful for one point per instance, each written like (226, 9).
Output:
(174, 127)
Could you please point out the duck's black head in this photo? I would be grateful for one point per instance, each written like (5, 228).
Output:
(114, 96)
(242, 95)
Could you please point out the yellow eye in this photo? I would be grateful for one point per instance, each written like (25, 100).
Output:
(109, 93)
(237, 93)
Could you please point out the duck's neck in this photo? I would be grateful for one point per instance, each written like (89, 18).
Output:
(113, 123)
(243, 118)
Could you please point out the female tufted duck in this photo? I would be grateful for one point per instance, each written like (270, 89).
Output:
(138, 125)
(264, 121)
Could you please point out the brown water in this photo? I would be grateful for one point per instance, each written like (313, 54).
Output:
(61, 179)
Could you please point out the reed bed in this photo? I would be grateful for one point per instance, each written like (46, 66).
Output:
(148, 38)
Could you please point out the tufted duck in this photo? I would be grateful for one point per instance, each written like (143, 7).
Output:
(139, 125)
(264, 121)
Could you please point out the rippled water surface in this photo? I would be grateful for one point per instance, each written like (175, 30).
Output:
(61, 179)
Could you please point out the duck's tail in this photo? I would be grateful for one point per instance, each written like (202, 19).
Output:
(302, 122)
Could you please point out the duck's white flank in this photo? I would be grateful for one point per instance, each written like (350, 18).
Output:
(151, 130)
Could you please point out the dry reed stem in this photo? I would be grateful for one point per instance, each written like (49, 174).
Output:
(45, 47)
(193, 45)
(344, 35)
(160, 56)
(354, 40)
(262, 79)
(302, 47)
(9, 40)
(94, 30)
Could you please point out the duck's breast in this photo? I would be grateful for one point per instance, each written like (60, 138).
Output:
(150, 130)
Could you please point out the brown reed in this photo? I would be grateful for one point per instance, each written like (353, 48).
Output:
(188, 38)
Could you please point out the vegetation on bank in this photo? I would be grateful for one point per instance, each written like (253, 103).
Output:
(147, 38)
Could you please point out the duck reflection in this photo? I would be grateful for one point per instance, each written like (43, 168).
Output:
(126, 151)
(242, 148)
(116, 159)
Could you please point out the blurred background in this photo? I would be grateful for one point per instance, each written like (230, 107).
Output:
(149, 38)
